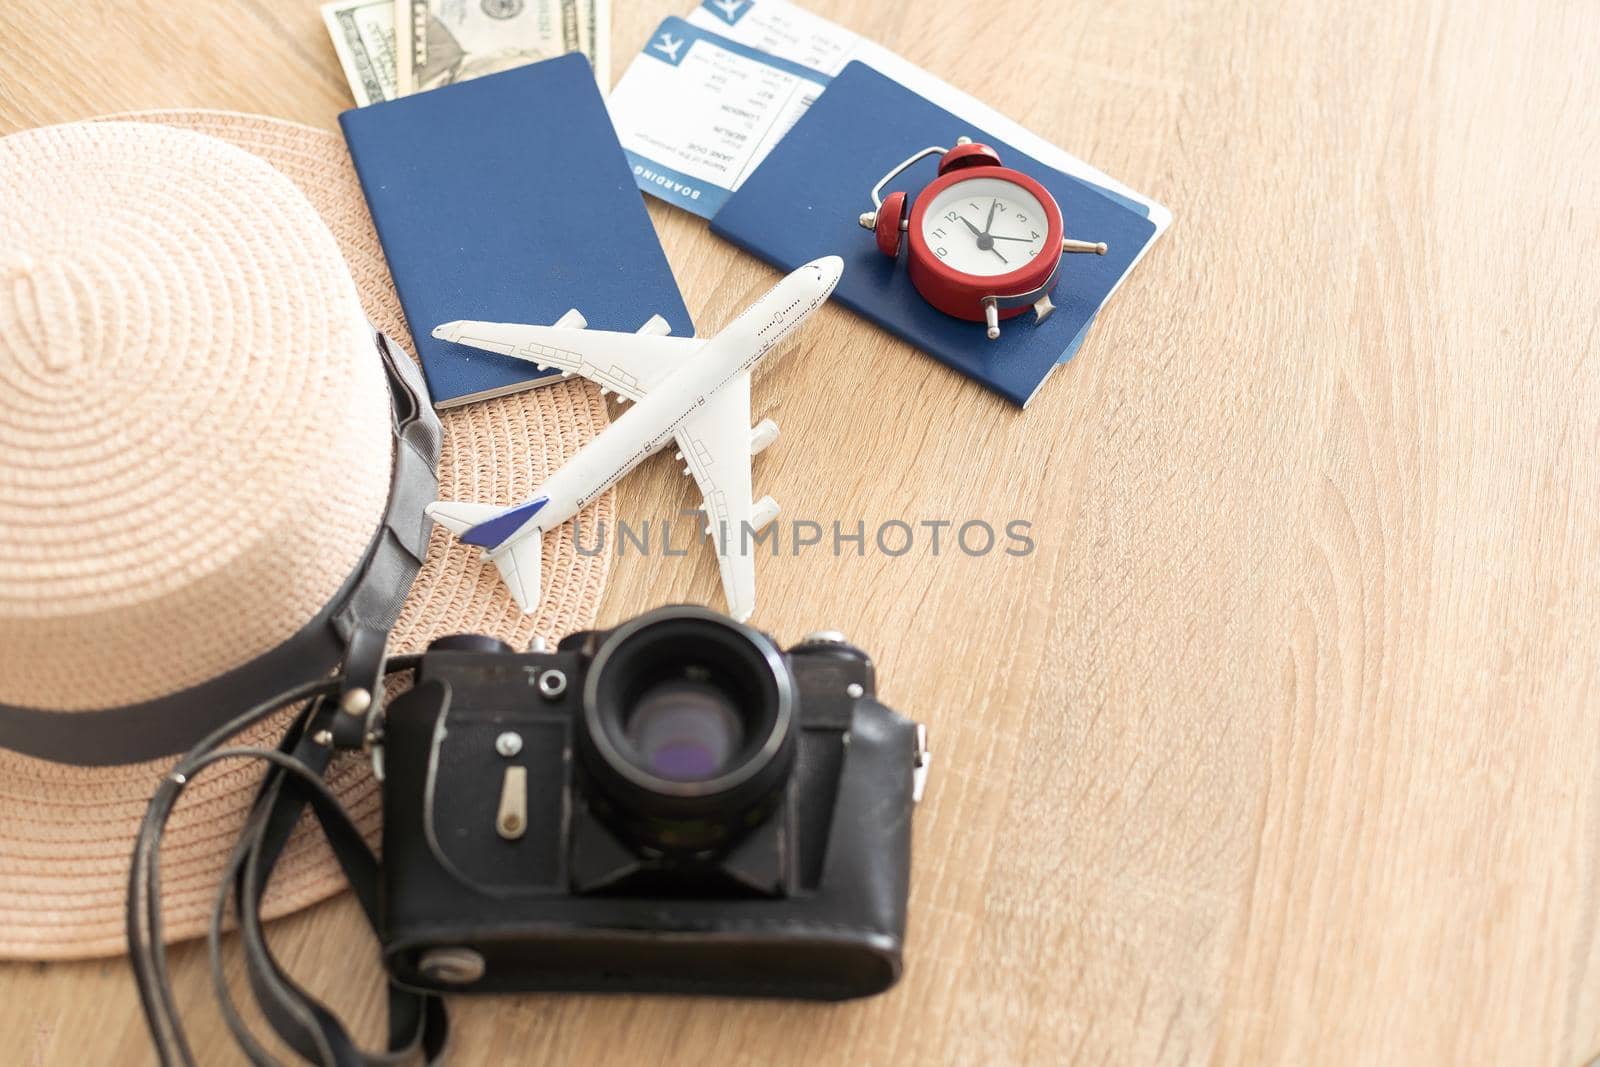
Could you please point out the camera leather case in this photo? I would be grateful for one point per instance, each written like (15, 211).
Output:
(504, 872)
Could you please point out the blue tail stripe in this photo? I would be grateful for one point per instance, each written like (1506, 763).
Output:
(492, 533)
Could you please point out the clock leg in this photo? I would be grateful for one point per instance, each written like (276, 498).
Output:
(991, 318)
(1097, 248)
(1042, 309)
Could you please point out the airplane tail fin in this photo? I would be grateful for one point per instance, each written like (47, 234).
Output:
(517, 557)
(459, 516)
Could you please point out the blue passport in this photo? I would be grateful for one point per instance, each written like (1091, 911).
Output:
(507, 198)
(803, 200)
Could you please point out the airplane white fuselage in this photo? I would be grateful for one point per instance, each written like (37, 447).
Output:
(649, 425)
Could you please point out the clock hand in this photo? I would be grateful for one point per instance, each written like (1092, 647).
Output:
(988, 223)
(996, 251)
(969, 225)
(1003, 237)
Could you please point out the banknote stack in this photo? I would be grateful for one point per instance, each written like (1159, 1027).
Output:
(392, 48)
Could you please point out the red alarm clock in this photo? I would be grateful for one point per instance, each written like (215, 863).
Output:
(984, 241)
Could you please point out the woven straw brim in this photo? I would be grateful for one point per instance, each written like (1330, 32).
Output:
(66, 833)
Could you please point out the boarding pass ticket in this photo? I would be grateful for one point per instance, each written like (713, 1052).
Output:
(696, 113)
(693, 135)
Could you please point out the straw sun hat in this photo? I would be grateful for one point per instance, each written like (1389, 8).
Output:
(195, 455)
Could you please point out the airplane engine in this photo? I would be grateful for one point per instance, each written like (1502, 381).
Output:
(655, 326)
(762, 434)
(762, 513)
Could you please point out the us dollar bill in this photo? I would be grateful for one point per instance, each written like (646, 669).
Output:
(597, 44)
(364, 40)
(448, 41)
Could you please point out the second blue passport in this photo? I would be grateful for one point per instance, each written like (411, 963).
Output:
(804, 198)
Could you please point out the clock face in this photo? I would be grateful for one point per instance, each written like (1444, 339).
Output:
(986, 226)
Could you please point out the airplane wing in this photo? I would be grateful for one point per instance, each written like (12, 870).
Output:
(715, 444)
(629, 364)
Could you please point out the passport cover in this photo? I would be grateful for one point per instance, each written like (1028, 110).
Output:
(507, 198)
(803, 200)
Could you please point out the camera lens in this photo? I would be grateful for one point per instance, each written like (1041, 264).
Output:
(685, 731)
(688, 726)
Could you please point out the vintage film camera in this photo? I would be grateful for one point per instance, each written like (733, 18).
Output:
(674, 805)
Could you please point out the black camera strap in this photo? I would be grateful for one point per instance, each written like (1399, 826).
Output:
(417, 1022)
(418, 1025)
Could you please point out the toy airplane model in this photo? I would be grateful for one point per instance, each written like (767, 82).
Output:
(697, 391)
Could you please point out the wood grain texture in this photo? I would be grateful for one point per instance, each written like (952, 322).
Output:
(1281, 747)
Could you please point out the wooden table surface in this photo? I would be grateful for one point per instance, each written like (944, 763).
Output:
(1281, 747)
